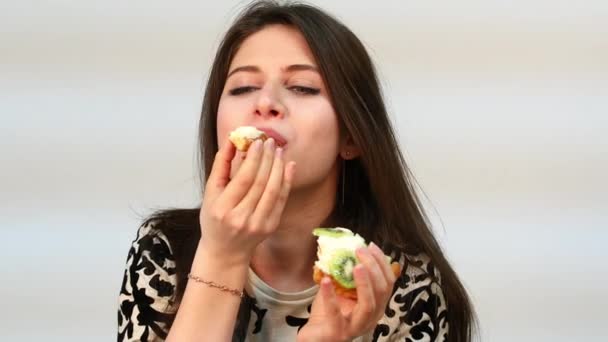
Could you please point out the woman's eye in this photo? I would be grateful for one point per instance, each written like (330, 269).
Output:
(305, 90)
(241, 90)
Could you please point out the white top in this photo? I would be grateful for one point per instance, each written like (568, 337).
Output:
(416, 311)
(277, 315)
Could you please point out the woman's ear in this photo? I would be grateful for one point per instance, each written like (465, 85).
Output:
(348, 149)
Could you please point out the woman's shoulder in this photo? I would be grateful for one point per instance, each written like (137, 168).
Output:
(417, 270)
(150, 268)
(419, 279)
(148, 287)
(153, 248)
(417, 308)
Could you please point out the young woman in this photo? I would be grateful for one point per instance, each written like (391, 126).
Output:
(240, 266)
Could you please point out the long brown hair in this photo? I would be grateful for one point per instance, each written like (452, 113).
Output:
(379, 200)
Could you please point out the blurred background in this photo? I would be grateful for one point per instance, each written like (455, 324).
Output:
(501, 109)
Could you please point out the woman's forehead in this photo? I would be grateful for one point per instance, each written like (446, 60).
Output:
(275, 46)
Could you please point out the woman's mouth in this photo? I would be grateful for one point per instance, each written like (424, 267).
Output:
(271, 133)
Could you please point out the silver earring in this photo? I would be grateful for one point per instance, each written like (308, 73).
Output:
(343, 178)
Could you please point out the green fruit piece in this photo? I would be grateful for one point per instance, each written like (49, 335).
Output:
(332, 232)
(341, 267)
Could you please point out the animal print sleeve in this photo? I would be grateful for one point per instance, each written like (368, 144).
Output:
(147, 288)
(417, 310)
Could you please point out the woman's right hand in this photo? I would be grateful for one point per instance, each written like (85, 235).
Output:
(239, 213)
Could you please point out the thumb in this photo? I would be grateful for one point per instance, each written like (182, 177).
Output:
(325, 303)
(220, 171)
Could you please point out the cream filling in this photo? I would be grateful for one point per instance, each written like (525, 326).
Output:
(329, 245)
(248, 132)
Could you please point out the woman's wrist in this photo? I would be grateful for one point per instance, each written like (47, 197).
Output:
(221, 258)
(228, 270)
(211, 300)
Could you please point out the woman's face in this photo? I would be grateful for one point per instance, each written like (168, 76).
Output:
(273, 83)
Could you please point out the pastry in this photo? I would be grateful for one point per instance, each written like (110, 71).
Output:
(244, 136)
(337, 259)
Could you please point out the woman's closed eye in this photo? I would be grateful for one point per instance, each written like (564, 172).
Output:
(301, 90)
(305, 90)
(242, 90)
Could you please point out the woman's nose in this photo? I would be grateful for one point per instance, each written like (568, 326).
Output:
(269, 104)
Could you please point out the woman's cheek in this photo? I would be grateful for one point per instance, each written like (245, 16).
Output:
(315, 160)
(225, 124)
(229, 114)
(222, 128)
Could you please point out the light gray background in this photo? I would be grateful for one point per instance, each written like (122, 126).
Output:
(501, 107)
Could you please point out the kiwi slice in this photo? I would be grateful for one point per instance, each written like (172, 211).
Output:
(341, 267)
(332, 232)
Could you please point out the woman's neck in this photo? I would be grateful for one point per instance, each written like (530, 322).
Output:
(285, 259)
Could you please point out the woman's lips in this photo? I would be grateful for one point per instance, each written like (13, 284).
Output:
(271, 133)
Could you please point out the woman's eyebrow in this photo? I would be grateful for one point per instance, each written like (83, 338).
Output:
(301, 67)
(248, 68)
(291, 68)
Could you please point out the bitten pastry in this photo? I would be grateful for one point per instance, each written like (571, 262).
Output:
(337, 259)
(244, 136)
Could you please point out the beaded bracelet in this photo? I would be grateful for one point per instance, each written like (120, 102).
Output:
(215, 285)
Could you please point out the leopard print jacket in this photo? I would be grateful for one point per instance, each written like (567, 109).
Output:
(416, 311)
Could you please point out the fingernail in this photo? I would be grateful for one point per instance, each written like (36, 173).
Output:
(279, 152)
(270, 144)
(257, 144)
(363, 250)
(375, 249)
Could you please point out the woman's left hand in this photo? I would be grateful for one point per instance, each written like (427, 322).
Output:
(335, 318)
